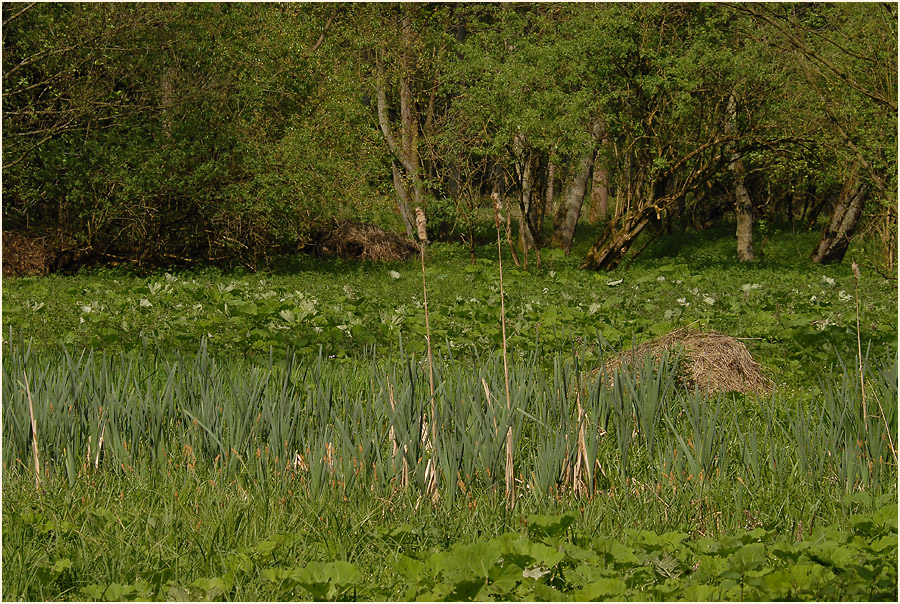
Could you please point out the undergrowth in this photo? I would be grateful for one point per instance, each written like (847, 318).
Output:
(224, 435)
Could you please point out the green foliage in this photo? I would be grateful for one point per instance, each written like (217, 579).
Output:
(174, 134)
(180, 537)
(167, 156)
(795, 314)
(750, 566)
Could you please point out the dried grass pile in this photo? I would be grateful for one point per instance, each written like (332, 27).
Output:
(710, 361)
(357, 241)
(25, 256)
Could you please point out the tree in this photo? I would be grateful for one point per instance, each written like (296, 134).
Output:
(525, 93)
(573, 195)
(176, 133)
(743, 207)
(665, 102)
(847, 56)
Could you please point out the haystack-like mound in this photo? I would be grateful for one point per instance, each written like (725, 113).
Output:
(357, 241)
(709, 360)
(25, 256)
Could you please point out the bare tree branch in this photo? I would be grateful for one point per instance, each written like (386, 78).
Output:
(18, 14)
(767, 15)
(321, 39)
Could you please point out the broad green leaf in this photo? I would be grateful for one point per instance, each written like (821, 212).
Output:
(601, 589)
(410, 569)
(549, 526)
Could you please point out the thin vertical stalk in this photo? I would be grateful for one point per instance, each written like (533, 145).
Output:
(34, 443)
(431, 470)
(862, 378)
(579, 486)
(510, 477)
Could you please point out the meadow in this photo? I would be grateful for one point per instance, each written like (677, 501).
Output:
(203, 434)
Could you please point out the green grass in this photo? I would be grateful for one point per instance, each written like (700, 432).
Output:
(798, 316)
(199, 493)
(124, 537)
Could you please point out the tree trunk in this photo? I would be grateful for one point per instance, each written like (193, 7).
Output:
(551, 179)
(611, 248)
(406, 176)
(743, 207)
(526, 203)
(835, 237)
(743, 211)
(599, 191)
(570, 205)
(403, 202)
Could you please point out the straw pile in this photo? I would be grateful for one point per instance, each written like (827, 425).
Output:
(25, 256)
(357, 241)
(710, 361)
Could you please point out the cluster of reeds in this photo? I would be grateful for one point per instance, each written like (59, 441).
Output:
(451, 429)
(379, 426)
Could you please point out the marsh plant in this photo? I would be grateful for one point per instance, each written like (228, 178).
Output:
(565, 430)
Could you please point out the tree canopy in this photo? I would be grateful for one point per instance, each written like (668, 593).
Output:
(233, 132)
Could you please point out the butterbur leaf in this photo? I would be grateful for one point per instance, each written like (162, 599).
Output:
(834, 555)
(467, 590)
(616, 552)
(573, 552)
(887, 516)
(213, 587)
(92, 593)
(505, 578)
(277, 574)
(326, 580)
(117, 591)
(410, 569)
(545, 593)
(549, 526)
(601, 589)
(480, 557)
(756, 535)
(888, 542)
(525, 552)
(786, 551)
(697, 592)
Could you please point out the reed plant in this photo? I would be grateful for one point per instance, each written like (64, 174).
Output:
(429, 433)
(509, 474)
(326, 426)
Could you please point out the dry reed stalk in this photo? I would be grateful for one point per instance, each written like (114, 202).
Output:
(99, 444)
(579, 486)
(862, 379)
(430, 469)
(510, 476)
(34, 445)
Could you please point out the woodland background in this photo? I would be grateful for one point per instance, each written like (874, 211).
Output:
(166, 134)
